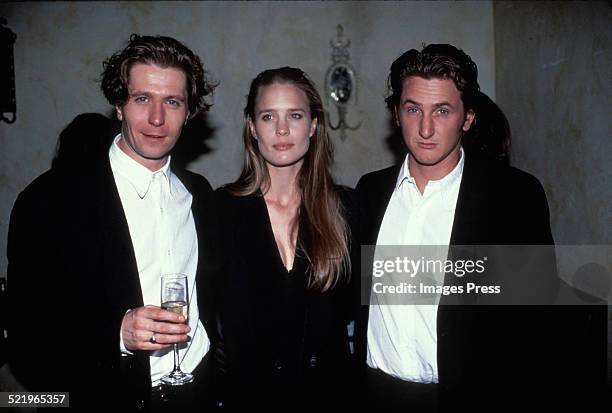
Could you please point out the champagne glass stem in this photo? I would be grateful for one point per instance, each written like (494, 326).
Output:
(177, 366)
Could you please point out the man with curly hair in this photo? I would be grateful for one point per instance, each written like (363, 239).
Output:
(87, 248)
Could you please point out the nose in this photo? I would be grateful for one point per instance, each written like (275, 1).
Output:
(282, 128)
(157, 115)
(426, 129)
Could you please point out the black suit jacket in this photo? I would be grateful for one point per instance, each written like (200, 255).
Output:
(72, 276)
(486, 352)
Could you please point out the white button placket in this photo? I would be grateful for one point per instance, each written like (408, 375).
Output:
(161, 188)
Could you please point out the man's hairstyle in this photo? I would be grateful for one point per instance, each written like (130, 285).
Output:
(435, 61)
(161, 51)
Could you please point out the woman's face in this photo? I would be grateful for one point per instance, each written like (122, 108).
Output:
(282, 124)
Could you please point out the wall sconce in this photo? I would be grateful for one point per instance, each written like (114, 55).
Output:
(8, 103)
(341, 83)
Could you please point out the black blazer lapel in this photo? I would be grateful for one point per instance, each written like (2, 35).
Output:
(201, 209)
(374, 192)
(118, 251)
(471, 205)
(120, 271)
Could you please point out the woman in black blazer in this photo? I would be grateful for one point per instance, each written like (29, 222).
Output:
(282, 286)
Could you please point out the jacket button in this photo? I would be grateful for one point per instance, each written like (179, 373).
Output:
(312, 361)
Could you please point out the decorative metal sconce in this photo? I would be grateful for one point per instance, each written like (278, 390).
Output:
(7, 73)
(341, 83)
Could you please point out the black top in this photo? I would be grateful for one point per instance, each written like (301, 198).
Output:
(286, 346)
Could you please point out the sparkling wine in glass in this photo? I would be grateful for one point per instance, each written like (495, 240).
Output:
(175, 298)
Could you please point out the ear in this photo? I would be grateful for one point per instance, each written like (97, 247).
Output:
(119, 112)
(252, 128)
(313, 127)
(397, 123)
(469, 119)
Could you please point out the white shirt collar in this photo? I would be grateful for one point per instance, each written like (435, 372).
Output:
(442, 183)
(139, 176)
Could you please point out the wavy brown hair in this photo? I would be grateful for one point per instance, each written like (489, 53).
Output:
(326, 239)
(161, 51)
(435, 61)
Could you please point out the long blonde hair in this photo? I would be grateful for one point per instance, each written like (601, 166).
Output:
(321, 212)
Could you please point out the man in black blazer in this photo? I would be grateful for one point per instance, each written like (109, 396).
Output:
(89, 241)
(449, 191)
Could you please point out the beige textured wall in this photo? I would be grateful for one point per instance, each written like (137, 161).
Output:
(554, 80)
(60, 48)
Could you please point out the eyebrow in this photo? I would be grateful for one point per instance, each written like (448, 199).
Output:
(274, 110)
(436, 105)
(141, 92)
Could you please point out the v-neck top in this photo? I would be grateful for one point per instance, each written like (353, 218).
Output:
(278, 336)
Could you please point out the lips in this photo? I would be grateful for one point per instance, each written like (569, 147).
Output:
(426, 145)
(283, 146)
(153, 135)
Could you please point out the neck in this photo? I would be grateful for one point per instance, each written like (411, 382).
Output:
(423, 173)
(151, 164)
(283, 184)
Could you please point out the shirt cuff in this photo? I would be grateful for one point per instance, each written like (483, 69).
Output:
(124, 350)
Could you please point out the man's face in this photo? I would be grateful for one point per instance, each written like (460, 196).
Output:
(154, 113)
(432, 118)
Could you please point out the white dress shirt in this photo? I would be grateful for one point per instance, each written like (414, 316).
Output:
(157, 207)
(402, 339)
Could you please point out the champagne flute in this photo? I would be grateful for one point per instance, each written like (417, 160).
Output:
(175, 298)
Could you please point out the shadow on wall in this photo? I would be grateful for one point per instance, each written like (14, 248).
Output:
(89, 136)
(85, 138)
(194, 141)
